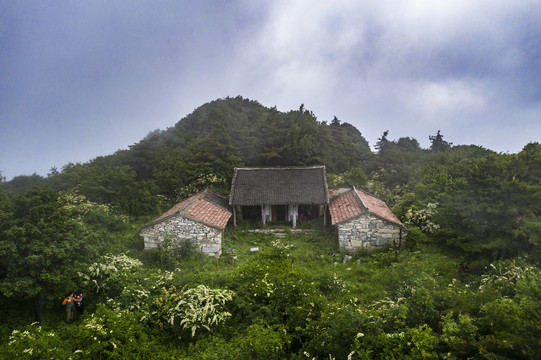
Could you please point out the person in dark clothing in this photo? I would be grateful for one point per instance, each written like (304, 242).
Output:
(80, 306)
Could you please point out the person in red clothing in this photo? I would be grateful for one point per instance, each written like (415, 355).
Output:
(69, 302)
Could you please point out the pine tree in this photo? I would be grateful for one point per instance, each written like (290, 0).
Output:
(438, 144)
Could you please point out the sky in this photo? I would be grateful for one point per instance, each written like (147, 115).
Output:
(82, 79)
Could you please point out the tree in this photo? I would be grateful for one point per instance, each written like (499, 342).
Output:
(40, 250)
(356, 177)
(483, 211)
(382, 141)
(23, 183)
(438, 144)
(408, 144)
(53, 172)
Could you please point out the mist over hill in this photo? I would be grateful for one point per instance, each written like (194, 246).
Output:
(202, 149)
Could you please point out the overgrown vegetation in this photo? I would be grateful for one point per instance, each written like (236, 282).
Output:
(468, 209)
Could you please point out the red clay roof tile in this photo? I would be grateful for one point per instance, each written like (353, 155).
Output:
(206, 207)
(355, 202)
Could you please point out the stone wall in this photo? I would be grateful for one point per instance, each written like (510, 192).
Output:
(368, 231)
(208, 239)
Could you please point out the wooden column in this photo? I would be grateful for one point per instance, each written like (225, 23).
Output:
(263, 214)
(234, 216)
(295, 212)
(325, 215)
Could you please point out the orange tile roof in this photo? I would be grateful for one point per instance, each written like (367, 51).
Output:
(209, 213)
(344, 207)
(377, 207)
(353, 203)
(205, 207)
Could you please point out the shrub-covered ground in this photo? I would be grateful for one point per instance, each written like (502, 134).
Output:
(295, 298)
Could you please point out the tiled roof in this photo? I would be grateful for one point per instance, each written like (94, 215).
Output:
(377, 207)
(279, 186)
(355, 202)
(205, 207)
(344, 207)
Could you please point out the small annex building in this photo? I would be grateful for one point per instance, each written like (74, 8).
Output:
(201, 218)
(363, 221)
(279, 193)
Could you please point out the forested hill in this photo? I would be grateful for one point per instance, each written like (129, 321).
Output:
(236, 131)
(467, 198)
(202, 149)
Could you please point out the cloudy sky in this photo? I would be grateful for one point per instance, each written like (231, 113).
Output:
(81, 79)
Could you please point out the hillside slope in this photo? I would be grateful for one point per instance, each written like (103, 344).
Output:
(201, 151)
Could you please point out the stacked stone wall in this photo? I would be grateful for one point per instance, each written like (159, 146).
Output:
(207, 239)
(368, 231)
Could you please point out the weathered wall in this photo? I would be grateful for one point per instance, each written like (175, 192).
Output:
(208, 239)
(368, 231)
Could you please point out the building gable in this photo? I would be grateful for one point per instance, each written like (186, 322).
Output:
(377, 207)
(355, 202)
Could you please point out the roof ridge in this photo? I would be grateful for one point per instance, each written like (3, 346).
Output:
(214, 193)
(359, 199)
(279, 185)
(191, 203)
(382, 203)
(279, 167)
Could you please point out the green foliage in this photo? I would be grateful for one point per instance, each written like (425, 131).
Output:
(113, 334)
(42, 249)
(110, 273)
(296, 299)
(422, 218)
(460, 334)
(106, 183)
(261, 341)
(415, 237)
(354, 177)
(34, 342)
(257, 341)
(170, 251)
(24, 183)
(195, 309)
(485, 210)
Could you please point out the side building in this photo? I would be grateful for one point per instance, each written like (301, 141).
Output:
(363, 221)
(200, 218)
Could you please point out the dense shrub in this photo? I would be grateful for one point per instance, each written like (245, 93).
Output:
(291, 300)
